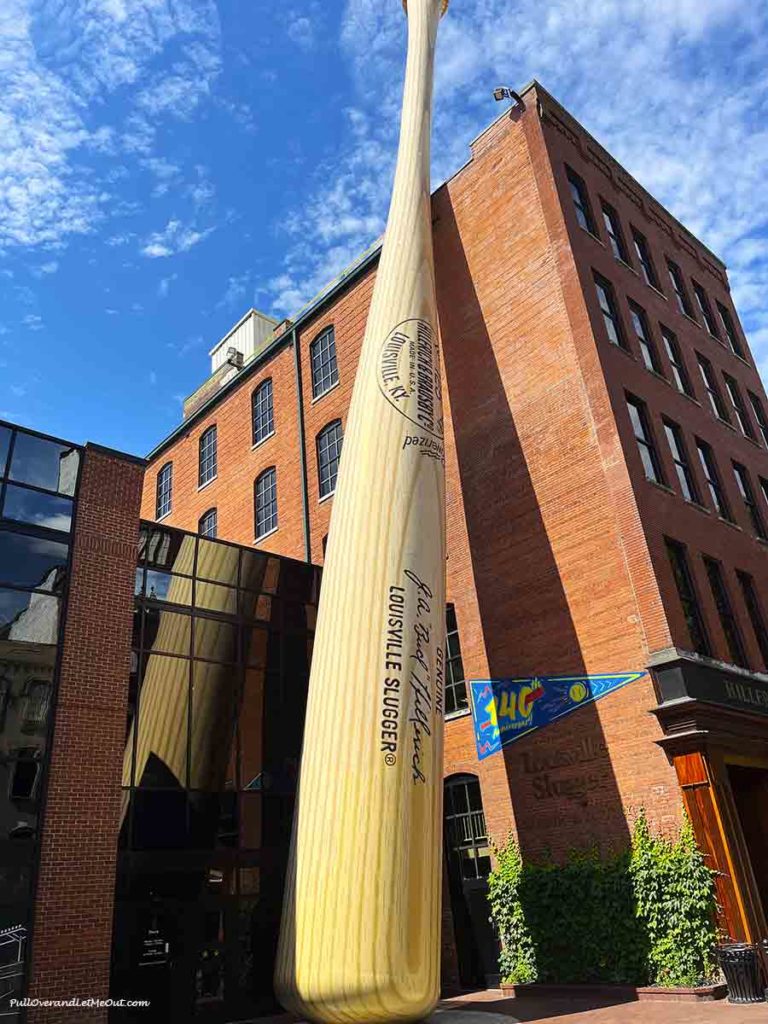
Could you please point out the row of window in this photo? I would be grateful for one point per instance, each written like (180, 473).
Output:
(686, 477)
(722, 327)
(328, 443)
(735, 408)
(694, 614)
(325, 374)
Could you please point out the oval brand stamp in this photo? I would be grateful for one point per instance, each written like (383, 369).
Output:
(409, 374)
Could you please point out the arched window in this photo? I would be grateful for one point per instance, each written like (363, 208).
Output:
(164, 498)
(208, 525)
(465, 832)
(207, 456)
(322, 355)
(328, 454)
(265, 502)
(455, 685)
(263, 411)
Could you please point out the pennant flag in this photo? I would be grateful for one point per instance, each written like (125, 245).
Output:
(504, 710)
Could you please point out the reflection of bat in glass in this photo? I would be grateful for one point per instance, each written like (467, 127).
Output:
(360, 938)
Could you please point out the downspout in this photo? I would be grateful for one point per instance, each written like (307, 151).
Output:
(302, 445)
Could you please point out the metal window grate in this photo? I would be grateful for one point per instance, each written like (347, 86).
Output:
(164, 498)
(325, 372)
(329, 442)
(263, 412)
(207, 456)
(208, 525)
(266, 502)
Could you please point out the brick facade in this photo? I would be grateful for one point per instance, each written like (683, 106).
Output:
(71, 946)
(556, 556)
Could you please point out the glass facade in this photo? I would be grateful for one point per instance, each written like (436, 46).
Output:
(38, 484)
(220, 665)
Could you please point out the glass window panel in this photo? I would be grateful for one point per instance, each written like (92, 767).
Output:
(162, 586)
(215, 640)
(322, 354)
(263, 607)
(160, 820)
(167, 549)
(5, 443)
(44, 463)
(213, 825)
(256, 643)
(253, 570)
(251, 728)
(212, 736)
(28, 618)
(26, 681)
(250, 821)
(216, 598)
(32, 561)
(217, 562)
(47, 510)
(167, 632)
(161, 744)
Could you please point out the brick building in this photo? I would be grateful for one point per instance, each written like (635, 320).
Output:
(607, 474)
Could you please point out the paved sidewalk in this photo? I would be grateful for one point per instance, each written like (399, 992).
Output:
(583, 1010)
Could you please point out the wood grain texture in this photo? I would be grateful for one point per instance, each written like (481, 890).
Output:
(360, 937)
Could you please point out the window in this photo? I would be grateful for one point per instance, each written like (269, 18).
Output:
(759, 411)
(455, 686)
(730, 331)
(322, 355)
(679, 370)
(208, 525)
(645, 338)
(702, 301)
(581, 201)
(748, 497)
(469, 854)
(650, 458)
(609, 310)
(164, 494)
(207, 463)
(680, 458)
(614, 232)
(646, 261)
(756, 617)
(265, 502)
(678, 559)
(742, 416)
(328, 454)
(710, 383)
(676, 277)
(725, 612)
(262, 411)
(712, 476)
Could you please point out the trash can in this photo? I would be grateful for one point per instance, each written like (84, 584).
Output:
(738, 962)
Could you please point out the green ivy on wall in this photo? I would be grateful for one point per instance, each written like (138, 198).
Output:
(643, 916)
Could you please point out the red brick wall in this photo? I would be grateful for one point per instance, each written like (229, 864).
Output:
(662, 511)
(555, 562)
(75, 890)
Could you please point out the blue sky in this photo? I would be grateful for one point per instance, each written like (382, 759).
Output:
(165, 164)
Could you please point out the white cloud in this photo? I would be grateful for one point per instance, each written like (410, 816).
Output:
(33, 322)
(152, 378)
(237, 288)
(165, 285)
(173, 239)
(301, 32)
(58, 62)
(651, 79)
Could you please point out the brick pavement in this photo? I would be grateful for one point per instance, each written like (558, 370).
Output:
(585, 1010)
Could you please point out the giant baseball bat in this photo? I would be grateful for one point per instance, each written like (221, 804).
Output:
(360, 936)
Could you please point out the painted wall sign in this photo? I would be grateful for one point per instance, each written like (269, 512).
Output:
(504, 710)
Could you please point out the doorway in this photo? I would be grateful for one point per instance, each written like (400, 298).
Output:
(469, 864)
(750, 794)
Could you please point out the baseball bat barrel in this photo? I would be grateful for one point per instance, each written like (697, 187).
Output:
(360, 935)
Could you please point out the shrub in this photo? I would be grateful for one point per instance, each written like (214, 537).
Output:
(644, 915)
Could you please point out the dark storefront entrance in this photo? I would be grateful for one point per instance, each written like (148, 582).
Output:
(715, 723)
(469, 862)
(220, 664)
(749, 786)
